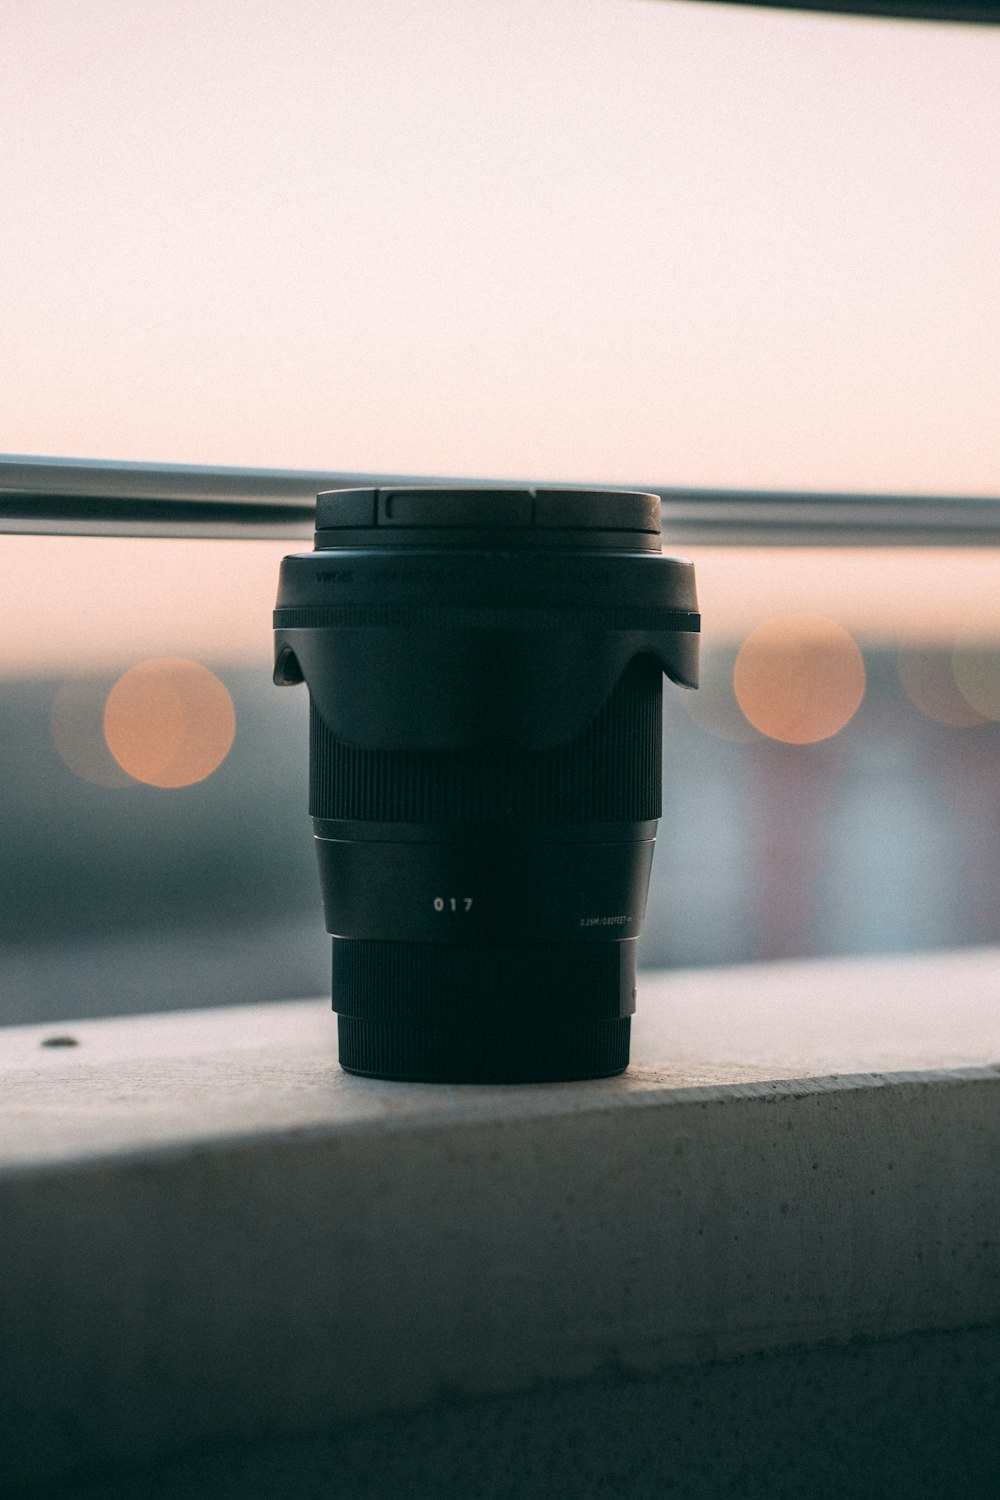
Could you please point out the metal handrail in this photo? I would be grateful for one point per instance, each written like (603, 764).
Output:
(84, 497)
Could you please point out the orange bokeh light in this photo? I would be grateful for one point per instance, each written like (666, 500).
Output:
(169, 722)
(799, 678)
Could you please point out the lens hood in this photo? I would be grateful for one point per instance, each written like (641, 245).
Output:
(477, 636)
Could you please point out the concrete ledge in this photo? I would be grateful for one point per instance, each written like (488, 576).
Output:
(211, 1235)
(911, 1418)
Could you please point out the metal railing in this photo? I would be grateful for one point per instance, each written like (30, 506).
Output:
(83, 497)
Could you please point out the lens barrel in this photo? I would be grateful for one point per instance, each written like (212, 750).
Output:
(485, 672)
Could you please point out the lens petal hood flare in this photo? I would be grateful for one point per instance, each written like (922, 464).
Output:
(485, 670)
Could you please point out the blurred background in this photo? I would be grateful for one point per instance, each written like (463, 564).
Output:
(831, 789)
(598, 241)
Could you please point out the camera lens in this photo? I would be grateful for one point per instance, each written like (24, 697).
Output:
(485, 672)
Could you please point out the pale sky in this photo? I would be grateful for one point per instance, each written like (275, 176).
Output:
(606, 240)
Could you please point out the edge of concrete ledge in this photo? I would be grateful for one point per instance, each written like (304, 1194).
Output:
(295, 1277)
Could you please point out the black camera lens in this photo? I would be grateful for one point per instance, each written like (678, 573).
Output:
(485, 672)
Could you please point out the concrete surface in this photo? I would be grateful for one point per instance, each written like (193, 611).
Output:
(911, 1418)
(212, 1240)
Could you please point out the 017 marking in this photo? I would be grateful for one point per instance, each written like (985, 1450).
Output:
(452, 903)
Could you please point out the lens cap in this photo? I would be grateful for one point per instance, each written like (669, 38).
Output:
(458, 517)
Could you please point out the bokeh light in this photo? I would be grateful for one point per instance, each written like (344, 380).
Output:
(928, 681)
(799, 678)
(169, 722)
(976, 665)
(76, 723)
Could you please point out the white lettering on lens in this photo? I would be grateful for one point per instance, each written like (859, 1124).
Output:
(452, 903)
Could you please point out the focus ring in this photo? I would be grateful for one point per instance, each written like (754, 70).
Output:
(609, 773)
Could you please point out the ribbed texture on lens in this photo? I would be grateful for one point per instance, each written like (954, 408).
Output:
(609, 773)
(483, 984)
(515, 1054)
